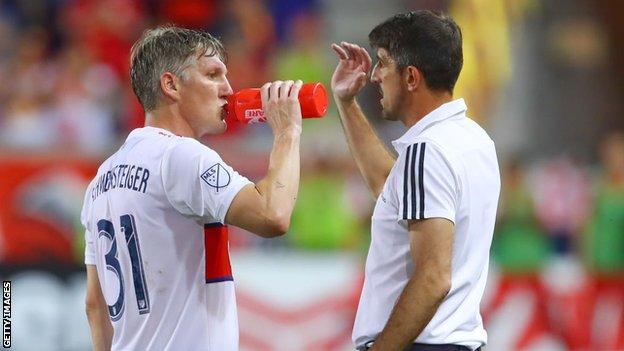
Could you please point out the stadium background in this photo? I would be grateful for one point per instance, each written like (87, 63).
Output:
(545, 78)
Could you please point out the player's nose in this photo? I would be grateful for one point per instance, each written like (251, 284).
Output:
(374, 77)
(226, 89)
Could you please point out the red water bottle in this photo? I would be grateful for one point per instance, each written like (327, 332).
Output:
(245, 106)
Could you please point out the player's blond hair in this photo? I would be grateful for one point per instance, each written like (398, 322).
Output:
(167, 49)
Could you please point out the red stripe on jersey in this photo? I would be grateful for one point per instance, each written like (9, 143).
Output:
(216, 244)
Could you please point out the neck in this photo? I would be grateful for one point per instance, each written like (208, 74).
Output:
(167, 118)
(421, 104)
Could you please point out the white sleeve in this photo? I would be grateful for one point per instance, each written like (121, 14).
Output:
(89, 248)
(427, 187)
(198, 183)
(88, 237)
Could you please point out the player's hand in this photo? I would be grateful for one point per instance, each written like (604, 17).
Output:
(352, 70)
(280, 101)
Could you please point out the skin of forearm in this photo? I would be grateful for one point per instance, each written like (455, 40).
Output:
(371, 156)
(279, 187)
(101, 329)
(417, 304)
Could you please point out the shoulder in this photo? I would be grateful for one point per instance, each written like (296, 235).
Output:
(425, 147)
(428, 158)
(457, 136)
(186, 157)
(86, 203)
(90, 189)
(182, 149)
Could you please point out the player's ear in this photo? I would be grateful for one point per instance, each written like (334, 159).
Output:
(413, 78)
(170, 86)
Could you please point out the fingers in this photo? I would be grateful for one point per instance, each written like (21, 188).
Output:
(362, 56)
(294, 93)
(264, 93)
(285, 90)
(347, 51)
(367, 62)
(280, 91)
(351, 50)
(274, 90)
(342, 54)
(280, 104)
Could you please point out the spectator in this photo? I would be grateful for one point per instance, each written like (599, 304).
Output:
(603, 254)
(519, 246)
(604, 242)
(561, 193)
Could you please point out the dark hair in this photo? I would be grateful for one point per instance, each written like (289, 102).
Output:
(429, 41)
(166, 49)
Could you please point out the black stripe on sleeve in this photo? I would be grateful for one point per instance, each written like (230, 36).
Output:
(421, 183)
(413, 181)
(405, 178)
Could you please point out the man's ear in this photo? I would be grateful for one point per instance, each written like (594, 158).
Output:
(170, 86)
(413, 78)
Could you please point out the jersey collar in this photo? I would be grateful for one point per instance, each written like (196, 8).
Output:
(443, 112)
(150, 130)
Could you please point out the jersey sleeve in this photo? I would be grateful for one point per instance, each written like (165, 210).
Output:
(89, 248)
(88, 236)
(427, 186)
(198, 183)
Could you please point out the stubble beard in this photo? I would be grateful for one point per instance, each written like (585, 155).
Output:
(393, 111)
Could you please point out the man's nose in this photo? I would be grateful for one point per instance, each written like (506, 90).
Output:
(375, 75)
(227, 89)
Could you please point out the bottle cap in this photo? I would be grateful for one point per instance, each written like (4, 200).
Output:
(313, 100)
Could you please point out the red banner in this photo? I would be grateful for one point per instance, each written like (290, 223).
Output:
(41, 198)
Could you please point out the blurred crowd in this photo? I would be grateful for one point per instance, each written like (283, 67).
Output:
(561, 207)
(560, 240)
(67, 61)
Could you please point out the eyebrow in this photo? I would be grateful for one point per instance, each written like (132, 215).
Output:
(218, 69)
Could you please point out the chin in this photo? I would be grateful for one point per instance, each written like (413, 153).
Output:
(388, 115)
(219, 128)
(223, 127)
(214, 130)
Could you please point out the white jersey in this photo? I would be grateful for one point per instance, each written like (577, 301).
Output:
(154, 229)
(446, 168)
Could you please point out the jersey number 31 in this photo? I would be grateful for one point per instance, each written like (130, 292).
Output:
(128, 227)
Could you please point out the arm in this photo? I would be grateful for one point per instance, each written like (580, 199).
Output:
(371, 156)
(431, 244)
(266, 208)
(97, 313)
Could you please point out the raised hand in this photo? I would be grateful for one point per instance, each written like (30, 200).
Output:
(352, 70)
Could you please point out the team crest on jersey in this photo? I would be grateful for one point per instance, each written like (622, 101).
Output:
(216, 176)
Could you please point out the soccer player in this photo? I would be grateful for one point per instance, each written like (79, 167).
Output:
(158, 269)
(436, 202)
